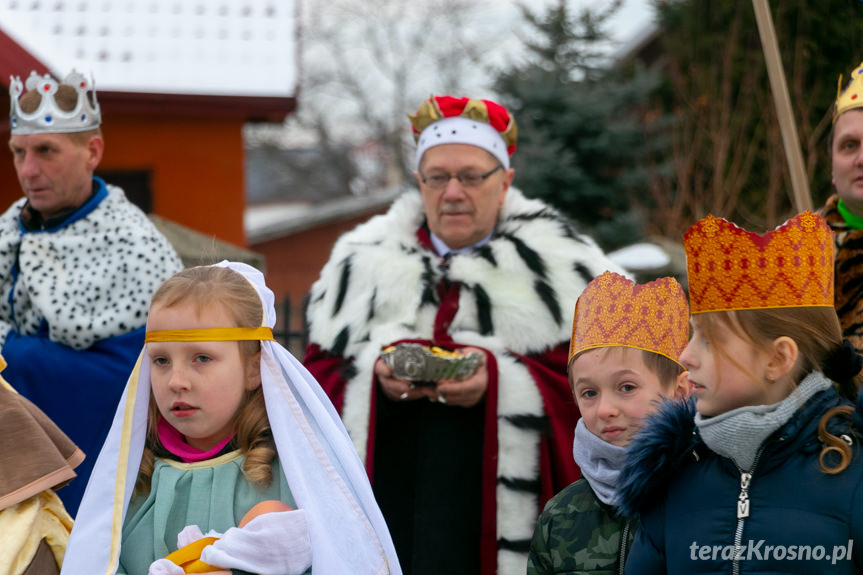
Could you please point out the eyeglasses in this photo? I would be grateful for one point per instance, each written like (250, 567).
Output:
(466, 179)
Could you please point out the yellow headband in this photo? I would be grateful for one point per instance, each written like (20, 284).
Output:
(211, 334)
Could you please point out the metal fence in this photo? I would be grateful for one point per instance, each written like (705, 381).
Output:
(294, 339)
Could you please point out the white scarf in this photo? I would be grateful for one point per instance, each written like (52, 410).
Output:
(327, 479)
(599, 461)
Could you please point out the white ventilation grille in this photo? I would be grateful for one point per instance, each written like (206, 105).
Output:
(212, 47)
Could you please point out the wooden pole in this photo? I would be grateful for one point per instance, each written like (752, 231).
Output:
(779, 87)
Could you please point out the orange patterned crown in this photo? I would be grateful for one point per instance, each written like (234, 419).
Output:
(732, 269)
(615, 311)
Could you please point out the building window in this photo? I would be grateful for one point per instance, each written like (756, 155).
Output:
(136, 184)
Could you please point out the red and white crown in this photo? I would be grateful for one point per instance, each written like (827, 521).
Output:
(448, 120)
(49, 117)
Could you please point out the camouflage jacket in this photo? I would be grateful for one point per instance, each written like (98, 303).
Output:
(578, 534)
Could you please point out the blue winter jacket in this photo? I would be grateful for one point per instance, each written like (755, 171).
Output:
(693, 505)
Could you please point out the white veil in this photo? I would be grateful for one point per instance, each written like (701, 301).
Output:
(326, 477)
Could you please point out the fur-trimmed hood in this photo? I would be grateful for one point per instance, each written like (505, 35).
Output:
(670, 440)
(667, 440)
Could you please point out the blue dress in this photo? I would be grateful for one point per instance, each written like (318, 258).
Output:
(211, 494)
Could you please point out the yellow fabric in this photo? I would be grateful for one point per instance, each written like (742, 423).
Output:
(614, 311)
(207, 463)
(732, 269)
(3, 382)
(212, 334)
(24, 525)
(189, 557)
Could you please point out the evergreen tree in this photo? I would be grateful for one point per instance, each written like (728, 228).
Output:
(581, 142)
(624, 151)
(727, 156)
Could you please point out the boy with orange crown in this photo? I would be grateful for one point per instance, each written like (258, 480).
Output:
(761, 474)
(622, 361)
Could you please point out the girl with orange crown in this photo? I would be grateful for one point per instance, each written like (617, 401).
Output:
(761, 473)
(225, 454)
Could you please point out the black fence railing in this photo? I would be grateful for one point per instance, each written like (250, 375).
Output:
(294, 339)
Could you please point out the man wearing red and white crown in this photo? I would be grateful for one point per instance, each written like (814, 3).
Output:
(78, 264)
(461, 468)
(844, 209)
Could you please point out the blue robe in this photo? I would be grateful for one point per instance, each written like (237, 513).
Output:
(74, 296)
(86, 386)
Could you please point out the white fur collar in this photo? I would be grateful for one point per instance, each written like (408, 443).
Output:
(530, 274)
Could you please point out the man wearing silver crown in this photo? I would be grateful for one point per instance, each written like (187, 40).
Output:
(461, 466)
(78, 264)
(844, 210)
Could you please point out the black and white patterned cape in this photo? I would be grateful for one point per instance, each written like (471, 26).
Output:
(89, 279)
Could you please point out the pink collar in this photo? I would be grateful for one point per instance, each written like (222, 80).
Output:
(174, 442)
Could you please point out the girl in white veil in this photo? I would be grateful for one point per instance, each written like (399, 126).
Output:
(337, 526)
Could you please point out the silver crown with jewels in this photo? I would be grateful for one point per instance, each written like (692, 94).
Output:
(49, 117)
